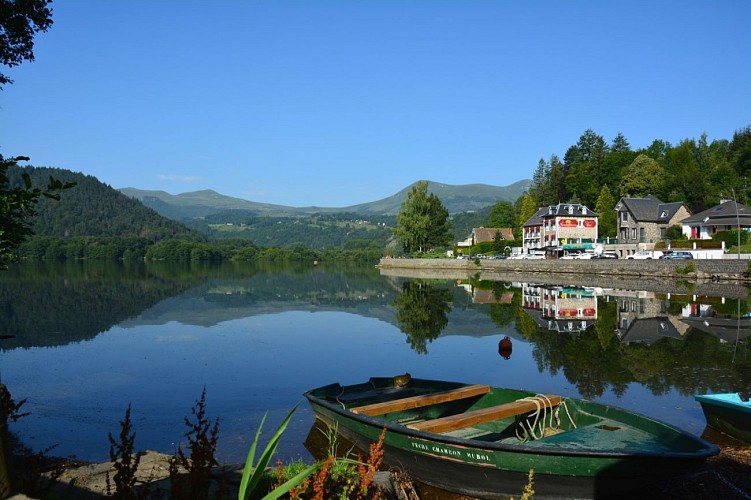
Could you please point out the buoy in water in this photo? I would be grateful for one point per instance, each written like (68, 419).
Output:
(505, 347)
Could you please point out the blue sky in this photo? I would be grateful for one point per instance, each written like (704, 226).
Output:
(333, 103)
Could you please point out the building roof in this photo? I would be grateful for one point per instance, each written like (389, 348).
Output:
(488, 233)
(559, 210)
(650, 330)
(723, 214)
(650, 209)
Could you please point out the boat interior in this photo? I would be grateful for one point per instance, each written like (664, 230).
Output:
(483, 413)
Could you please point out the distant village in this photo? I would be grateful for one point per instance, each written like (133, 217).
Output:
(570, 230)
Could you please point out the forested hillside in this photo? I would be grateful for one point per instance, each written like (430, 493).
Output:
(697, 172)
(339, 230)
(92, 208)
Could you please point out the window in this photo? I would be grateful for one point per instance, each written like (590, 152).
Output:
(633, 234)
(624, 216)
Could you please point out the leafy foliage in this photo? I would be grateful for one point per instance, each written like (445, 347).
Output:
(202, 440)
(20, 20)
(423, 222)
(18, 203)
(697, 172)
(605, 209)
(124, 459)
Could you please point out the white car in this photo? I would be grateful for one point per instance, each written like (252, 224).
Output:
(578, 256)
(584, 255)
(645, 254)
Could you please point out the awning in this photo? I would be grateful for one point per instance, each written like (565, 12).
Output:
(578, 246)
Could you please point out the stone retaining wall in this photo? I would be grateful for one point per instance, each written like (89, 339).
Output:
(725, 270)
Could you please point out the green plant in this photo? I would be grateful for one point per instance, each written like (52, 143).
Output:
(202, 440)
(124, 460)
(690, 267)
(343, 477)
(252, 473)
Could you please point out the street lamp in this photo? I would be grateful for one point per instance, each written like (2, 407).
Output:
(738, 221)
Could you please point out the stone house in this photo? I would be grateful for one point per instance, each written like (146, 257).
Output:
(566, 225)
(646, 220)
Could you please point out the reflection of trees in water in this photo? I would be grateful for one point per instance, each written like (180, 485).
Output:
(595, 360)
(422, 313)
(504, 314)
(50, 304)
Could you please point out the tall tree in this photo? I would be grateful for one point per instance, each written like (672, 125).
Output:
(584, 163)
(644, 176)
(620, 143)
(20, 20)
(739, 151)
(423, 221)
(527, 209)
(503, 214)
(605, 209)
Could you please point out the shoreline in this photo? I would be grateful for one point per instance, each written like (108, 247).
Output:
(723, 271)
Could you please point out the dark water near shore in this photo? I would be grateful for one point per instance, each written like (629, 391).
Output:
(89, 339)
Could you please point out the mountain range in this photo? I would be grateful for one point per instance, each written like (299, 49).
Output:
(199, 204)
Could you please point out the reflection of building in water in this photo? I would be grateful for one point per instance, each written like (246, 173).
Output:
(563, 309)
(644, 318)
(484, 296)
(701, 314)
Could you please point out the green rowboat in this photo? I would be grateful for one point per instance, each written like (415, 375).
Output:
(482, 441)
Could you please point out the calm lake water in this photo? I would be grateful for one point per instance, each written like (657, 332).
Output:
(90, 339)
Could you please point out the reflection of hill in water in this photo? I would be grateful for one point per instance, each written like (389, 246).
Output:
(52, 304)
(57, 304)
(317, 290)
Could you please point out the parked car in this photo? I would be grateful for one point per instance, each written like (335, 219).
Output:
(584, 256)
(528, 256)
(534, 256)
(645, 254)
(606, 255)
(577, 256)
(677, 255)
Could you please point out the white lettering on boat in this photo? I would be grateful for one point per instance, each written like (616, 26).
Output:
(447, 452)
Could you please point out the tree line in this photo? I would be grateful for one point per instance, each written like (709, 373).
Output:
(597, 174)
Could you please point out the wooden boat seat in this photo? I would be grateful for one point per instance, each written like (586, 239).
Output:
(422, 400)
(483, 415)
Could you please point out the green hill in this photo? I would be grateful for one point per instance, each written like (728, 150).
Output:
(92, 208)
(199, 204)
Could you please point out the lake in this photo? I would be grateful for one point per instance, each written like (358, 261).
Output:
(89, 339)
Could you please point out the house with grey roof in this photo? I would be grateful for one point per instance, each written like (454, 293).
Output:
(726, 216)
(646, 220)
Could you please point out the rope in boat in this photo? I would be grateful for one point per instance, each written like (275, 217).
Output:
(533, 427)
(344, 407)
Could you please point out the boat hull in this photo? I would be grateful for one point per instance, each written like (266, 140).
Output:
(727, 414)
(491, 470)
